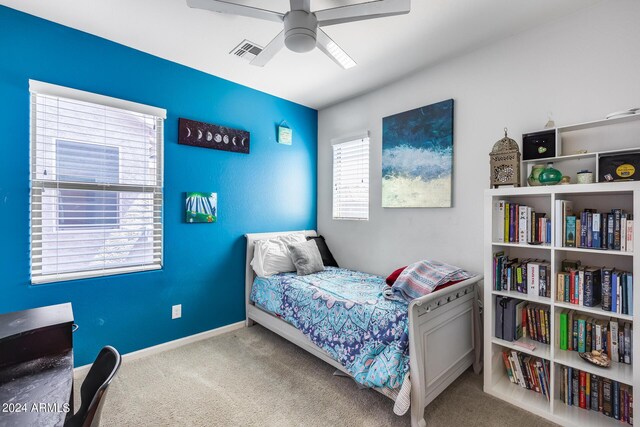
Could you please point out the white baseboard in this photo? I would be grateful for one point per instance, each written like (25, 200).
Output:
(82, 370)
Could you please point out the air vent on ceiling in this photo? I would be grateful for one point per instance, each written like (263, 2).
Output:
(246, 50)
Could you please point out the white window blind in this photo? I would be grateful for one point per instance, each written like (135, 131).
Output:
(351, 179)
(96, 185)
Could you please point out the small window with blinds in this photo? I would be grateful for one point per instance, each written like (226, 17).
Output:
(351, 179)
(96, 185)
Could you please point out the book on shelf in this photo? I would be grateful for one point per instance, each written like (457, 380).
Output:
(505, 309)
(563, 209)
(596, 393)
(527, 276)
(580, 332)
(516, 223)
(516, 319)
(570, 232)
(529, 372)
(592, 229)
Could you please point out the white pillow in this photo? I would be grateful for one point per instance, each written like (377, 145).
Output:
(272, 256)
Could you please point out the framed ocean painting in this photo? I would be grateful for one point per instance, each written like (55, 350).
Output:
(201, 207)
(417, 157)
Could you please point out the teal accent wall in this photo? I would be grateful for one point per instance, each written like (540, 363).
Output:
(271, 189)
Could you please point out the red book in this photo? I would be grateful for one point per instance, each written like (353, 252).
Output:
(534, 375)
(532, 323)
(572, 283)
(583, 384)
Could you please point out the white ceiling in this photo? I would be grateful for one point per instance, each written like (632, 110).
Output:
(385, 49)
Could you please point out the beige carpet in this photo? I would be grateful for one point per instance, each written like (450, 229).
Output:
(252, 377)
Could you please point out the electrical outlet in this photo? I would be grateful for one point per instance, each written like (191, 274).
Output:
(176, 311)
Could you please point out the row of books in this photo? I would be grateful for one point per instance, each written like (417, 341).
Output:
(528, 276)
(596, 393)
(515, 223)
(582, 333)
(590, 286)
(529, 372)
(516, 319)
(592, 229)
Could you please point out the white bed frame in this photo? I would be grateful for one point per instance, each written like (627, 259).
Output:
(441, 343)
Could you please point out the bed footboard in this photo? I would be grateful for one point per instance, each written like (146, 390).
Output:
(441, 342)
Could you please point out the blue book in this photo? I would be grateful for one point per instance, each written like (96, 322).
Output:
(623, 296)
(614, 291)
(582, 335)
(583, 228)
(512, 223)
(592, 287)
(615, 399)
(570, 232)
(610, 222)
(596, 230)
(541, 380)
(629, 293)
(589, 230)
(569, 387)
(548, 240)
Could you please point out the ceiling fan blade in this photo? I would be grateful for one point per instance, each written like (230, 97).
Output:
(301, 5)
(361, 11)
(333, 51)
(269, 51)
(231, 8)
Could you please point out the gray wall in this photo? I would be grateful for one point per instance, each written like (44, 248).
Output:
(580, 68)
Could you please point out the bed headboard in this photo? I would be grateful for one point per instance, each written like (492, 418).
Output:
(251, 240)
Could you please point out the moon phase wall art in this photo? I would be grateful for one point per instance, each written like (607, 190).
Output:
(199, 134)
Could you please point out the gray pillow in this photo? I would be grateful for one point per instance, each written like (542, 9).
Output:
(306, 257)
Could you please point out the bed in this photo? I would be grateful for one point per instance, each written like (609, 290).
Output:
(307, 310)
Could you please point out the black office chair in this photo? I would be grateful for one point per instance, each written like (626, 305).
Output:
(94, 389)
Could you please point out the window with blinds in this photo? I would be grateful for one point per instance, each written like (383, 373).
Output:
(351, 179)
(96, 185)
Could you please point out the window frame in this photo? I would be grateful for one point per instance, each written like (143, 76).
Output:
(346, 140)
(156, 190)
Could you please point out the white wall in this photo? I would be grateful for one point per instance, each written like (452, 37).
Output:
(580, 68)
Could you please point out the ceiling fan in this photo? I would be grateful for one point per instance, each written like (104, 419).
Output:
(302, 32)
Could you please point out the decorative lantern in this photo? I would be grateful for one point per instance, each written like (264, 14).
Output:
(505, 162)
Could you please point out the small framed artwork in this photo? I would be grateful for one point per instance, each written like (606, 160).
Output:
(201, 207)
(285, 135)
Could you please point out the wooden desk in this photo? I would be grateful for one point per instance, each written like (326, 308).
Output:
(36, 366)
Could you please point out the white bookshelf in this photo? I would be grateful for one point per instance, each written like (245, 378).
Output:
(604, 197)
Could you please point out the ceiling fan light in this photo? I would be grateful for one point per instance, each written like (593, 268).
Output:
(340, 55)
(300, 42)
